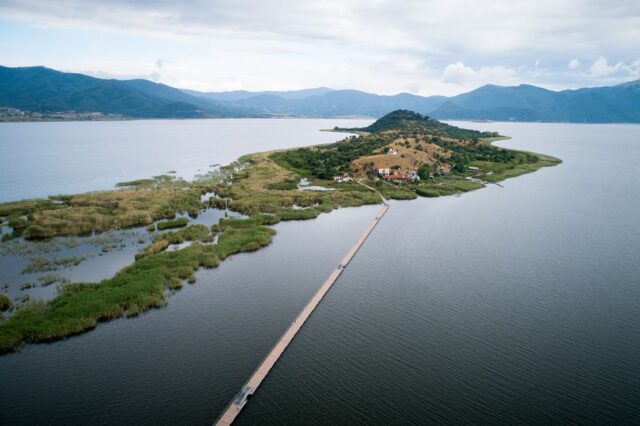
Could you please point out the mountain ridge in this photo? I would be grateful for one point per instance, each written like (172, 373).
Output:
(35, 92)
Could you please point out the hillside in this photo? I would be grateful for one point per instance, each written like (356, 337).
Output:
(417, 123)
(405, 144)
(43, 91)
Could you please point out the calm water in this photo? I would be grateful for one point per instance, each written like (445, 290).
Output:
(506, 305)
(41, 159)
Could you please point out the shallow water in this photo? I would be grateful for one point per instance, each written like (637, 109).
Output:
(505, 305)
(102, 256)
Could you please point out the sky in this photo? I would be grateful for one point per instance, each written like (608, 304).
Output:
(430, 47)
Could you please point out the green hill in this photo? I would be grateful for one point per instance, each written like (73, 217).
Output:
(409, 121)
(43, 90)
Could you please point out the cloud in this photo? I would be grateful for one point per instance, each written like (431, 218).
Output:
(384, 45)
(601, 67)
(459, 73)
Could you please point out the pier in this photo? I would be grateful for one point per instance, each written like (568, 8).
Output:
(240, 400)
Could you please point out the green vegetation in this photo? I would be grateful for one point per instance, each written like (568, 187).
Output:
(101, 211)
(410, 121)
(424, 171)
(154, 248)
(190, 233)
(498, 172)
(141, 286)
(5, 303)
(138, 182)
(249, 193)
(84, 214)
(446, 185)
(49, 279)
(180, 222)
(325, 162)
(41, 264)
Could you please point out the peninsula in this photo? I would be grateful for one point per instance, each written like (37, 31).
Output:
(402, 155)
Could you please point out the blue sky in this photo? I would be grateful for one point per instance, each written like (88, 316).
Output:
(425, 47)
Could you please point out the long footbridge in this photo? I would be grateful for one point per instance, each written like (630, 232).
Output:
(238, 402)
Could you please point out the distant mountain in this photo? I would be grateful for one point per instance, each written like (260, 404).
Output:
(339, 103)
(237, 95)
(619, 103)
(530, 103)
(43, 90)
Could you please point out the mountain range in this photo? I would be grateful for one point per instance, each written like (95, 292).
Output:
(42, 90)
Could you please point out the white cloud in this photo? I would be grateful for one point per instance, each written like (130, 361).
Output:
(385, 45)
(601, 67)
(459, 73)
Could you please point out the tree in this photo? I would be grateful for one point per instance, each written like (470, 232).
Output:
(424, 171)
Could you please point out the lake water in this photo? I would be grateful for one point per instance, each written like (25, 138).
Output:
(505, 305)
(41, 159)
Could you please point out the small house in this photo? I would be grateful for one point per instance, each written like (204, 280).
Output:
(343, 178)
(397, 176)
(392, 151)
(444, 169)
(381, 171)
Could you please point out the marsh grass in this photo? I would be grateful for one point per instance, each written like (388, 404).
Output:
(136, 288)
(496, 172)
(47, 280)
(84, 214)
(180, 222)
(5, 303)
(153, 248)
(41, 264)
(196, 232)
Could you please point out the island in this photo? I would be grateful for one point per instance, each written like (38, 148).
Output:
(401, 156)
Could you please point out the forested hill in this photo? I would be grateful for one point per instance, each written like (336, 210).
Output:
(35, 91)
(409, 121)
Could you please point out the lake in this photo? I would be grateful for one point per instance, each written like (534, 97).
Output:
(41, 159)
(504, 305)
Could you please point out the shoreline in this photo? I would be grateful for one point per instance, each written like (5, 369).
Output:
(303, 117)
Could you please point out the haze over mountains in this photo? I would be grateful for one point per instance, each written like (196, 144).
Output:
(42, 90)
